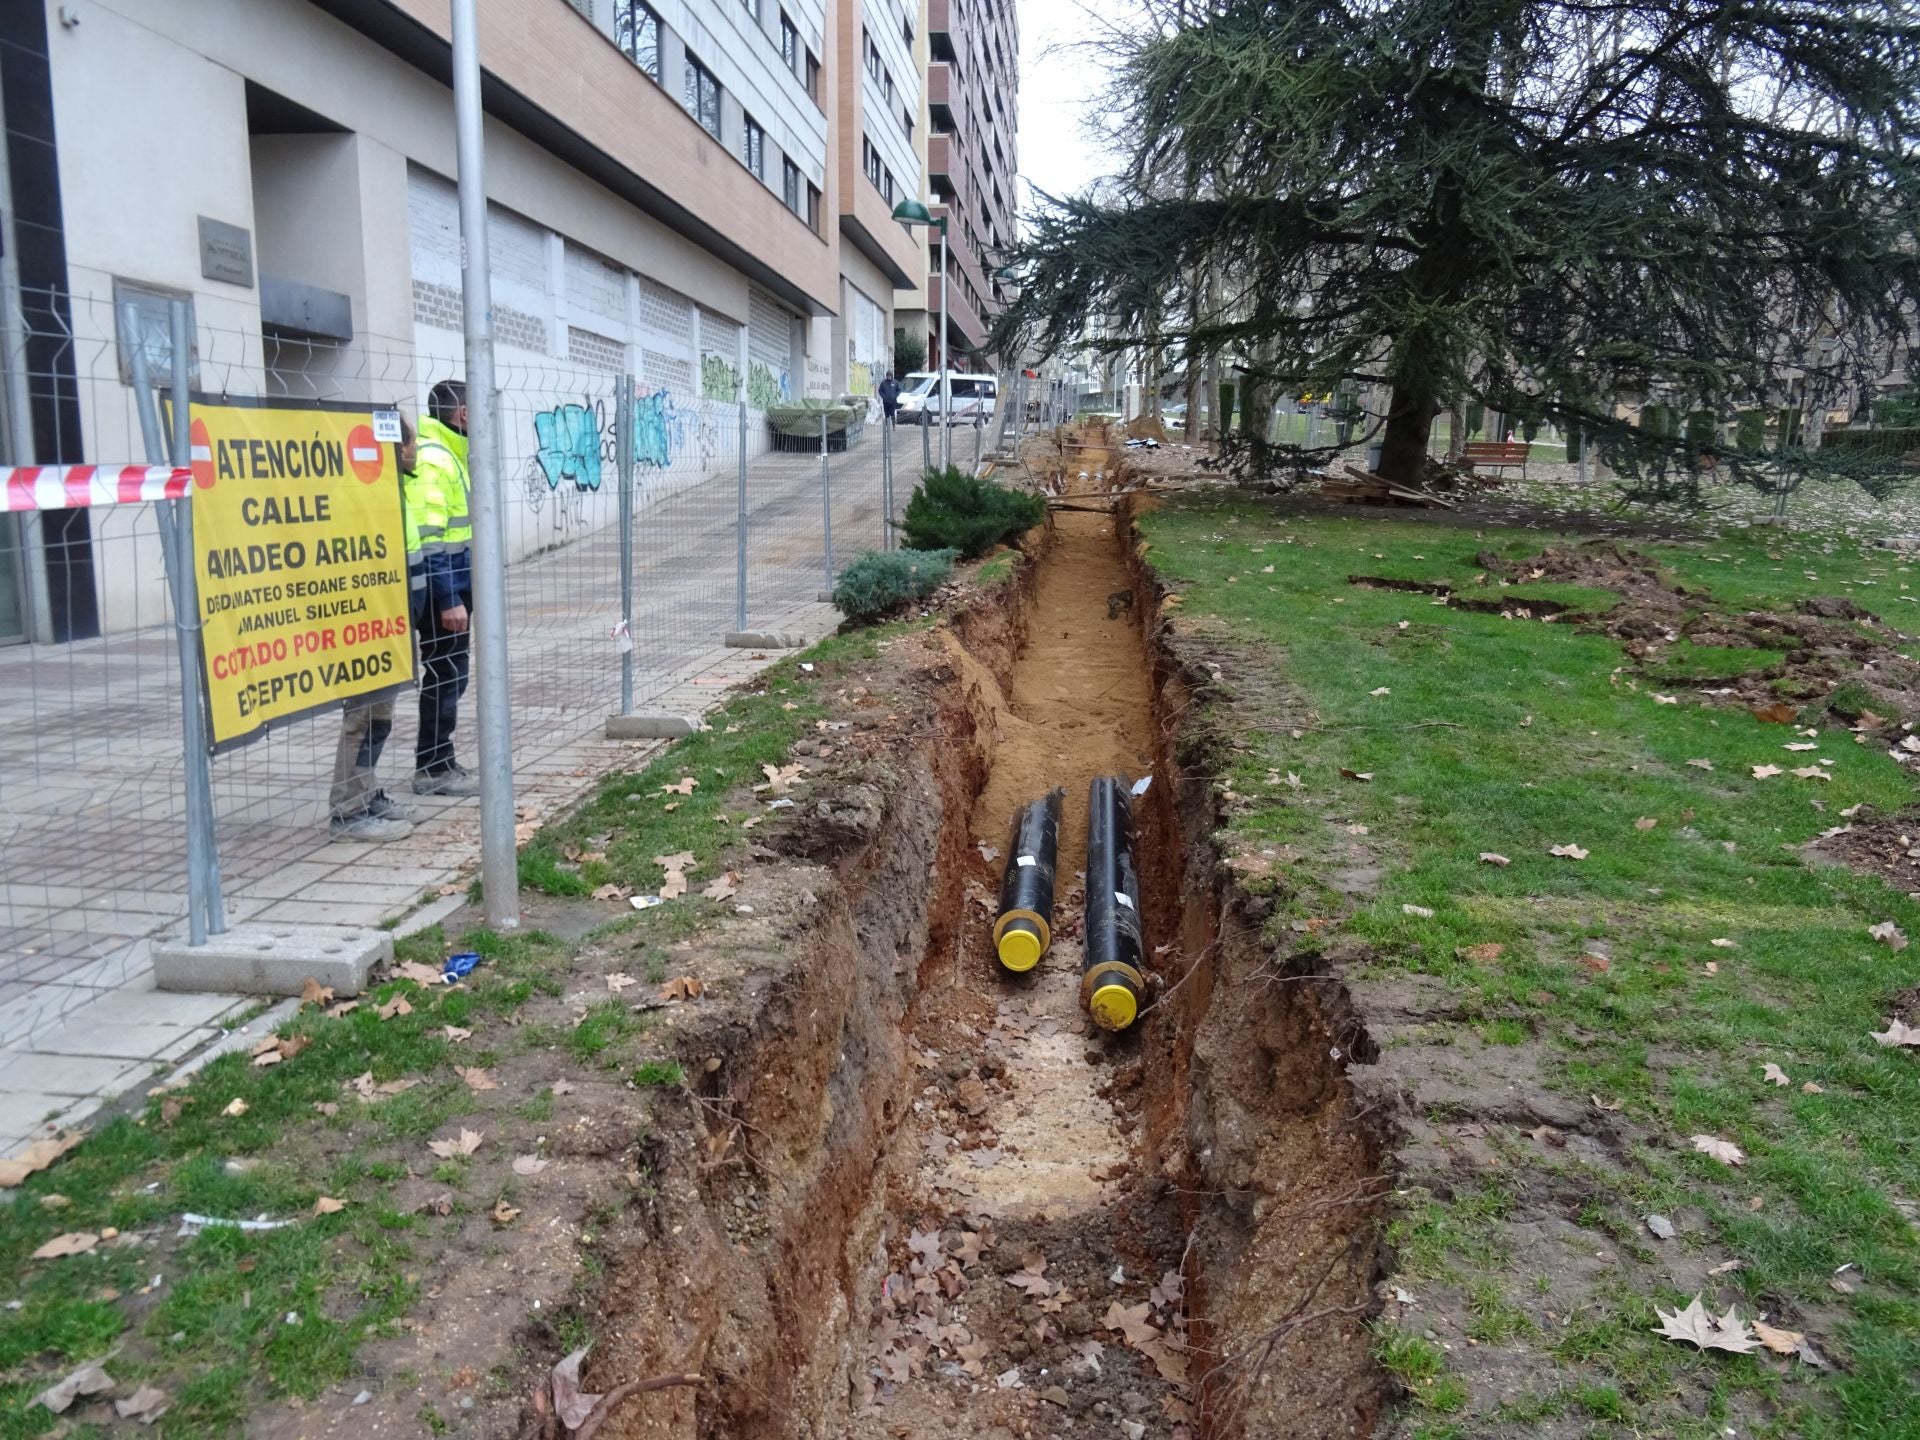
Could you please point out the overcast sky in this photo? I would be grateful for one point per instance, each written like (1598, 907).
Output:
(1058, 87)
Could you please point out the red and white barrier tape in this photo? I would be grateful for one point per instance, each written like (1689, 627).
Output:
(75, 487)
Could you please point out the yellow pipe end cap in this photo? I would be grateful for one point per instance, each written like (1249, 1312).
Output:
(1020, 950)
(1113, 1007)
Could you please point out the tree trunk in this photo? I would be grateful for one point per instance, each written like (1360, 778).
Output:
(1403, 449)
(1456, 433)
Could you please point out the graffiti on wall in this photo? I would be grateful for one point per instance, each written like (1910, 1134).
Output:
(659, 430)
(859, 378)
(719, 378)
(766, 389)
(574, 442)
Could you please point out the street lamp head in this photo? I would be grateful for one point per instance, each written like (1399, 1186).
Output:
(912, 212)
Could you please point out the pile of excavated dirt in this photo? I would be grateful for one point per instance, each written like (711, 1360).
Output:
(1839, 656)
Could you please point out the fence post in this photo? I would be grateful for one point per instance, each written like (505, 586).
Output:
(499, 850)
(886, 482)
(826, 500)
(740, 532)
(926, 441)
(623, 459)
(177, 557)
(977, 429)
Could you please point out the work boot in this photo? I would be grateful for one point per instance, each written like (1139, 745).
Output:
(388, 808)
(454, 780)
(368, 826)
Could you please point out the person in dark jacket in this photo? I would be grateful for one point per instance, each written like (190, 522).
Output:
(889, 397)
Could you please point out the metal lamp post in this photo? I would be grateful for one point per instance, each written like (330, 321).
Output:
(912, 213)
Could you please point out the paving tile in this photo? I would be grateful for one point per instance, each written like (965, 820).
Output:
(308, 912)
(291, 878)
(82, 1036)
(72, 1076)
(147, 1006)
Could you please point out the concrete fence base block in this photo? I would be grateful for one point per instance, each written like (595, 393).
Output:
(765, 640)
(265, 959)
(652, 727)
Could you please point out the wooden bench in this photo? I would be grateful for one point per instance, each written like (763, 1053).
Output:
(1495, 454)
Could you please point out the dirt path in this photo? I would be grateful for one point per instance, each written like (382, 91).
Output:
(1017, 1236)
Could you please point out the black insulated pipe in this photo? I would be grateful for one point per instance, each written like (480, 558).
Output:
(1111, 980)
(1024, 928)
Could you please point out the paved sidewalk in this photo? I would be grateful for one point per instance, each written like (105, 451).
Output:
(92, 871)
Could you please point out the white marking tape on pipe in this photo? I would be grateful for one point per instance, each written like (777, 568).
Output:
(1024, 860)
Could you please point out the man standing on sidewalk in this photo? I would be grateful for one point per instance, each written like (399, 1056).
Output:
(437, 502)
(360, 808)
(890, 397)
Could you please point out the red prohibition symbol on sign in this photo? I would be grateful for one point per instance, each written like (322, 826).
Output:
(363, 453)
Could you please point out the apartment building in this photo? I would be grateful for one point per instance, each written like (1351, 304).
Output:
(973, 71)
(693, 192)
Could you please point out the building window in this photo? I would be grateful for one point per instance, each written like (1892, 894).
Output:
(636, 30)
(790, 185)
(813, 209)
(789, 44)
(703, 97)
(753, 145)
(812, 77)
(753, 9)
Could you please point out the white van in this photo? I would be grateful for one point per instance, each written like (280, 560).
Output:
(966, 397)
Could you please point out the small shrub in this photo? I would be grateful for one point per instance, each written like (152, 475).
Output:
(659, 1072)
(952, 510)
(882, 581)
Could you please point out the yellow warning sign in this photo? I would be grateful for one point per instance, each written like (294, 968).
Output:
(301, 560)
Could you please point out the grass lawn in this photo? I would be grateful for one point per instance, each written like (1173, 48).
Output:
(1712, 949)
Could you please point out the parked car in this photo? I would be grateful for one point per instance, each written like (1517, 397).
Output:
(967, 396)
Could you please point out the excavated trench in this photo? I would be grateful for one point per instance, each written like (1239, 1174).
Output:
(968, 1211)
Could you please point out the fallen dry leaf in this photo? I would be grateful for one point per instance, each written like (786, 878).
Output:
(455, 1034)
(420, 974)
(673, 867)
(725, 888)
(1898, 1032)
(1598, 964)
(1697, 1326)
(681, 987)
(398, 1005)
(1812, 772)
(505, 1214)
(1765, 772)
(1725, 1267)
(1807, 1087)
(1725, 1151)
(1775, 1074)
(619, 980)
(1488, 857)
(147, 1404)
(1645, 822)
(611, 891)
(343, 1007)
(1356, 774)
(1569, 852)
(1891, 933)
(562, 1087)
(1608, 1105)
(327, 1205)
(1484, 954)
(1701, 764)
(686, 785)
(1132, 1321)
(1381, 690)
(1722, 943)
(476, 1077)
(37, 1157)
(314, 993)
(529, 1164)
(1781, 1342)
(569, 1404)
(89, 1379)
(74, 1242)
(466, 1144)
(1422, 911)
(236, 1107)
(1778, 713)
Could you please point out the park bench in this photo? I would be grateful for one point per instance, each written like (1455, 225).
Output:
(1495, 454)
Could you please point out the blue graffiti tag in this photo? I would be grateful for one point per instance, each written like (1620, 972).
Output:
(658, 429)
(570, 446)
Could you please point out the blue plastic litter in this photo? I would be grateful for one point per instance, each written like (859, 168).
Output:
(458, 967)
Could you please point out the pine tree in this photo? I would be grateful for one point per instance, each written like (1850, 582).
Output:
(1540, 206)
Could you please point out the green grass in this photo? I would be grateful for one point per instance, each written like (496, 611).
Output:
(216, 1331)
(1502, 736)
(614, 837)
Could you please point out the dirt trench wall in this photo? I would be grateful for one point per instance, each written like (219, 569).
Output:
(1278, 1159)
(744, 1260)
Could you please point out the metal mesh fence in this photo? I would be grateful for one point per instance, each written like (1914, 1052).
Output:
(92, 809)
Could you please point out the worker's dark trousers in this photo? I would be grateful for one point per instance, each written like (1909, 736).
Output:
(444, 662)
